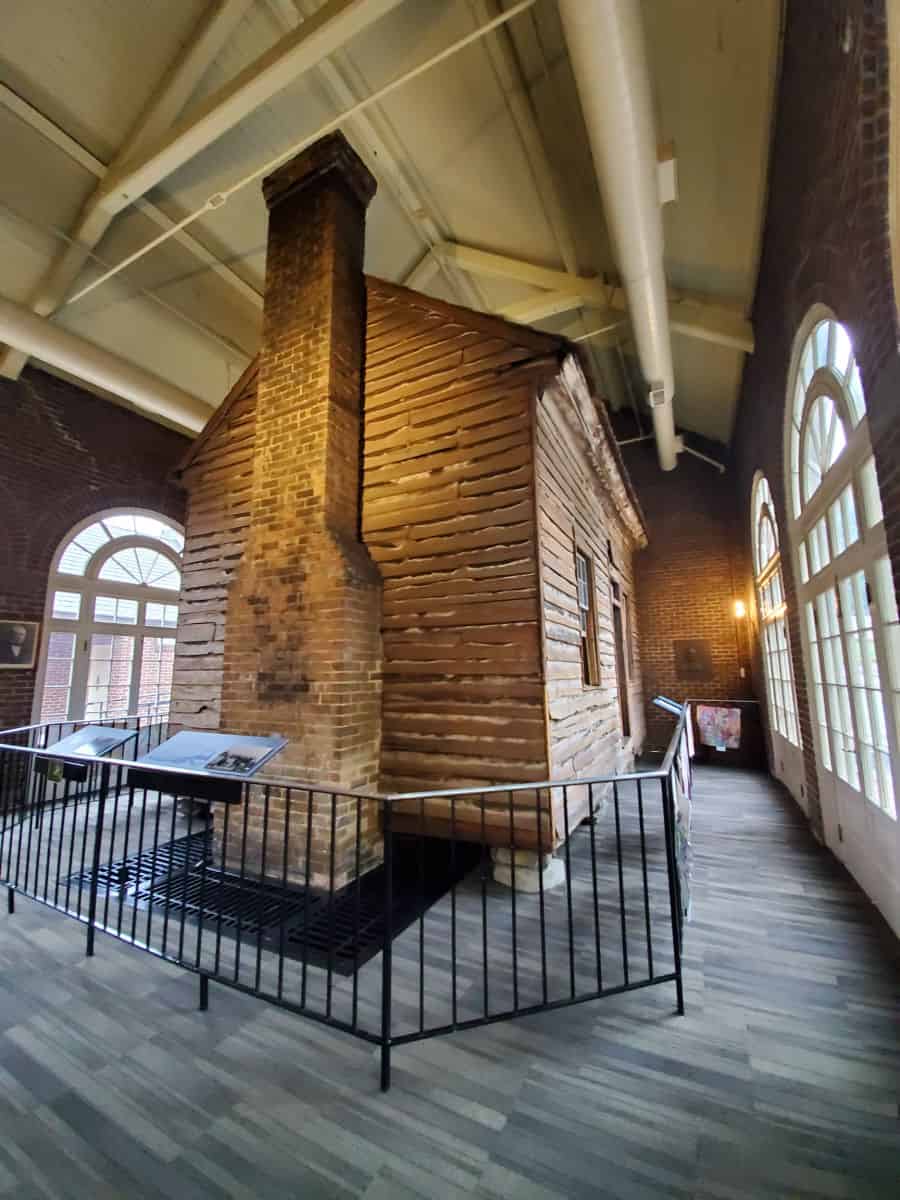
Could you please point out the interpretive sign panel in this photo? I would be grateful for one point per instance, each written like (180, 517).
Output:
(231, 754)
(92, 740)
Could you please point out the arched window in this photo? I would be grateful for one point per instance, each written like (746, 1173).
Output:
(776, 647)
(848, 605)
(112, 608)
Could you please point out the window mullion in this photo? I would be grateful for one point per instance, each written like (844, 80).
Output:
(832, 686)
(826, 728)
(848, 675)
(885, 676)
(78, 689)
(136, 670)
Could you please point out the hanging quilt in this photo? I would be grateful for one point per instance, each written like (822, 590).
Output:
(719, 727)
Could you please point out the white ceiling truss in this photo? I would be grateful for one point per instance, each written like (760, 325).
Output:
(383, 152)
(52, 133)
(490, 207)
(215, 27)
(695, 316)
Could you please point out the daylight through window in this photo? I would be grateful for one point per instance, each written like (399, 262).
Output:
(111, 615)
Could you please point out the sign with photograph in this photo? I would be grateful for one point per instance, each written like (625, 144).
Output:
(231, 754)
(18, 644)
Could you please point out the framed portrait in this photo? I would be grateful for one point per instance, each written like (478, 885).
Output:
(18, 645)
(693, 659)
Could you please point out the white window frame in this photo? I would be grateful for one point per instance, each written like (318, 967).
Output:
(775, 642)
(586, 603)
(860, 828)
(89, 586)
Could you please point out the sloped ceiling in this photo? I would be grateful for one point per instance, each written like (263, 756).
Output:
(451, 159)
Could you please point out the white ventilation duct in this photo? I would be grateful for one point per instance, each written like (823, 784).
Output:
(40, 338)
(606, 47)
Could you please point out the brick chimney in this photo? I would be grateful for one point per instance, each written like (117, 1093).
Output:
(302, 636)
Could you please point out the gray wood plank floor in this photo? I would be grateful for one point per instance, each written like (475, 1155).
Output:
(782, 1080)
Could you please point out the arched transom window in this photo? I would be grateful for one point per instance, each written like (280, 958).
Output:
(849, 617)
(776, 647)
(112, 608)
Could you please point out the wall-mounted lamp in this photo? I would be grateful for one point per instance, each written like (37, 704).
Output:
(740, 610)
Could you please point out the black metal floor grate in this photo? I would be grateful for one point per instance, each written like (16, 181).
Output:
(226, 902)
(150, 868)
(351, 930)
(343, 932)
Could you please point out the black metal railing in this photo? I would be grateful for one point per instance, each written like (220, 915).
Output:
(148, 731)
(376, 915)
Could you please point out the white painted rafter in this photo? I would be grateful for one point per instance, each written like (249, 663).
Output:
(215, 27)
(94, 364)
(695, 316)
(423, 272)
(135, 171)
(376, 140)
(504, 58)
(540, 306)
(297, 52)
(508, 71)
(74, 150)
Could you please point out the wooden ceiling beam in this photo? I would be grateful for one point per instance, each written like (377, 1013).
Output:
(504, 59)
(218, 22)
(693, 315)
(374, 138)
(335, 23)
(74, 150)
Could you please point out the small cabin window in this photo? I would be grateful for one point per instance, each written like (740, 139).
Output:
(584, 577)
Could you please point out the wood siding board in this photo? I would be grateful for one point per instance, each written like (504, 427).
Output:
(217, 473)
(575, 506)
(470, 489)
(448, 514)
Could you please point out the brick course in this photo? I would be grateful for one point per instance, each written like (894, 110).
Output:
(302, 639)
(827, 240)
(686, 581)
(66, 454)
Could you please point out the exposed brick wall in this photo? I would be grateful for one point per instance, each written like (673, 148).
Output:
(687, 580)
(827, 240)
(64, 455)
(302, 641)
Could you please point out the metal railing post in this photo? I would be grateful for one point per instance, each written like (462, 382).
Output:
(95, 860)
(674, 890)
(386, 972)
(307, 912)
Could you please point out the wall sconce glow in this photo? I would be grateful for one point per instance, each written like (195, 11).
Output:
(740, 610)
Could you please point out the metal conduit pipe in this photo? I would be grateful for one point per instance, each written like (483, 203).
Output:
(606, 47)
(40, 338)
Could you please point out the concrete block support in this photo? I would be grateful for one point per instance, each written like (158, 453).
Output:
(530, 869)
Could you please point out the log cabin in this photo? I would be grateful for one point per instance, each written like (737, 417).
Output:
(409, 544)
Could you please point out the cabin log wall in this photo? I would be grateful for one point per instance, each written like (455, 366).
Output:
(579, 502)
(218, 482)
(476, 481)
(448, 516)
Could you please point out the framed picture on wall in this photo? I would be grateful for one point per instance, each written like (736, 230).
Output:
(693, 659)
(18, 644)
